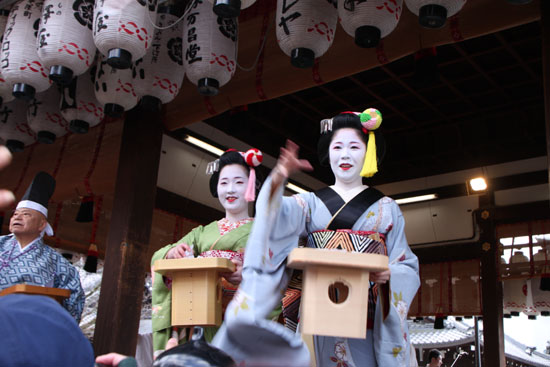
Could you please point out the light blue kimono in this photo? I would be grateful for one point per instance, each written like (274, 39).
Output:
(252, 340)
(39, 264)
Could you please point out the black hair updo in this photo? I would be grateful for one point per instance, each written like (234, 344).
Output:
(227, 158)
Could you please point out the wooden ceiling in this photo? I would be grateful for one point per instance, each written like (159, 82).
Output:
(486, 107)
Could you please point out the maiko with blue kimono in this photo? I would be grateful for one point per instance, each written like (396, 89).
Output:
(370, 221)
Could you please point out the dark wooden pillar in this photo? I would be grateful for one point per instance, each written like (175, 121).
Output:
(545, 32)
(126, 258)
(491, 286)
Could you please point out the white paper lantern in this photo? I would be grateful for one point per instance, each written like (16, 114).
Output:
(19, 60)
(79, 104)
(4, 13)
(123, 29)
(230, 8)
(434, 13)
(514, 290)
(541, 299)
(209, 45)
(65, 42)
(5, 88)
(305, 29)
(369, 21)
(158, 76)
(14, 129)
(44, 116)
(114, 88)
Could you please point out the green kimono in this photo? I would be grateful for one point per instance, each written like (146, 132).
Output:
(202, 238)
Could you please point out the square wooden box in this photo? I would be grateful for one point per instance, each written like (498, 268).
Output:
(319, 315)
(196, 289)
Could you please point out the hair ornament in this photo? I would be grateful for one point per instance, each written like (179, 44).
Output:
(212, 167)
(371, 119)
(326, 126)
(253, 157)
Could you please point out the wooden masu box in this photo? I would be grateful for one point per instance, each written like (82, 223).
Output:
(319, 315)
(196, 289)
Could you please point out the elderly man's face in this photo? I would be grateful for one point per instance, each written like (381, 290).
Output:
(25, 221)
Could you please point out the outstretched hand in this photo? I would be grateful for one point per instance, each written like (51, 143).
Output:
(288, 163)
(6, 196)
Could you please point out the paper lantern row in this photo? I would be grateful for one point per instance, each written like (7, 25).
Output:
(55, 40)
(51, 114)
(306, 28)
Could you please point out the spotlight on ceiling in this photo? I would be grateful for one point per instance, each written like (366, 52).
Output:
(478, 184)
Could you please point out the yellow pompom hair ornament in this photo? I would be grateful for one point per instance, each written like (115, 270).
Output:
(371, 119)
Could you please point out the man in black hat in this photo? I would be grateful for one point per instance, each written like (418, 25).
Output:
(25, 258)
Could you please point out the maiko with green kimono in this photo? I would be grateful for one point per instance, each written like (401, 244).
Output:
(233, 182)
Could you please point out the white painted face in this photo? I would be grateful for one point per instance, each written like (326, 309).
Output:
(347, 154)
(231, 188)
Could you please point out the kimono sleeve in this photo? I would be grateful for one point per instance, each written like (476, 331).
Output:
(67, 277)
(189, 238)
(391, 338)
(277, 226)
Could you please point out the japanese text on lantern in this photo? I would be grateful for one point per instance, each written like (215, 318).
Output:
(292, 15)
(192, 48)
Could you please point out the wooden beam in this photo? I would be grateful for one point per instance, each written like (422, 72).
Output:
(545, 33)
(187, 208)
(126, 259)
(491, 291)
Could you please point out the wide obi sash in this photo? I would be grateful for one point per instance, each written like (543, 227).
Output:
(348, 240)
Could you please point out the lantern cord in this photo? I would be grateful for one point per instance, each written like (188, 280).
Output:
(259, 51)
(176, 22)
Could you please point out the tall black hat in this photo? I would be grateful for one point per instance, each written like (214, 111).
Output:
(38, 195)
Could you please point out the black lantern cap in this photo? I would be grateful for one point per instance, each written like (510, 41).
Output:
(119, 58)
(302, 58)
(23, 91)
(79, 126)
(150, 103)
(113, 110)
(15, 145)
(432, 16)
(367, 36)
(208, 86)
(227, 8)
(1, 101)
(61, 75)
(45, 137)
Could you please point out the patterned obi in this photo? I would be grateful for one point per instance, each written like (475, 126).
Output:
(346, 240)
